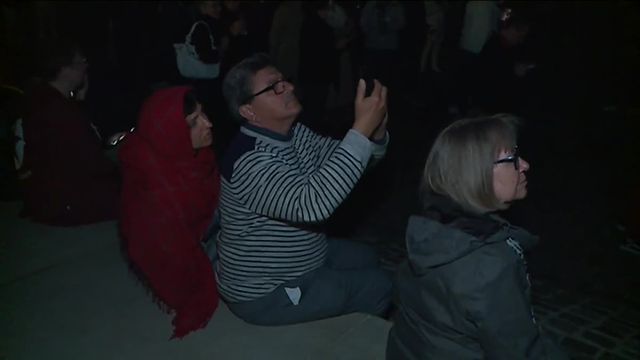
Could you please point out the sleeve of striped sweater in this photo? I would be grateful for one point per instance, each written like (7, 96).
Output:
(325, 146)
(272, 188)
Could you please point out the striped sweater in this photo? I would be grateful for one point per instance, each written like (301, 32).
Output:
(274, 188)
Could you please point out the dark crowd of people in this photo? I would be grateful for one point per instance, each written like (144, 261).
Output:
(222, 179)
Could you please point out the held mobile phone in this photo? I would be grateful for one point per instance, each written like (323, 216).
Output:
(368, 89)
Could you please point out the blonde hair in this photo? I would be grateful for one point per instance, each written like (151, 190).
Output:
(460, 163)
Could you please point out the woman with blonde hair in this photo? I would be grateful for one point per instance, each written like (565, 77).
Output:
(464, 292)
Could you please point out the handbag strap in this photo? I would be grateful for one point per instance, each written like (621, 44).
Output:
(187, 40)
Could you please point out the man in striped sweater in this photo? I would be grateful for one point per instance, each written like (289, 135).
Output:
(279, 179)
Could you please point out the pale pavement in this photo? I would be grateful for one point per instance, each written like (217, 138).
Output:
(66, 293)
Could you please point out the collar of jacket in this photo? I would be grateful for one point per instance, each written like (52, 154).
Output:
(257, 131)
(445, 233)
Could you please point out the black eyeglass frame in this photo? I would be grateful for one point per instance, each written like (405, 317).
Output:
(270, 87)
(513, 158)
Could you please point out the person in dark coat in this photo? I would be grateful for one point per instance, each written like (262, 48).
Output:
(319, 62)
(464, 292)
(72, 181)
(210, 13)
(236, 42)
(502, 63)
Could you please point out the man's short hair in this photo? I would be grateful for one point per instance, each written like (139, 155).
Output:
(460, 163)
(237, 87)
(55, 55)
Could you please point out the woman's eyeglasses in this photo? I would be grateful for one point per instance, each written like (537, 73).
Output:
(278, 88)
(513, 158)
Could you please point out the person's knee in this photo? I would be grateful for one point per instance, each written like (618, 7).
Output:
(386, 282)
(346, 254)
(368, 256)
(386, 294)
(380, 292)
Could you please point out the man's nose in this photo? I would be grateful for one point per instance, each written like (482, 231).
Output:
(290, 86)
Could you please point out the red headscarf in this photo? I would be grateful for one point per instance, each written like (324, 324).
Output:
(169, 195)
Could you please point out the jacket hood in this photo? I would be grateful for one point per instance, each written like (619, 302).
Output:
(162, 124)
(446, 233)
(431, 244)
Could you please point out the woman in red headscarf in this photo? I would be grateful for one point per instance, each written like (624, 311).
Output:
(170, 192)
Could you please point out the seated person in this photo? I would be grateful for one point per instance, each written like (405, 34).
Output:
(72, 182)
(464, 292)
(279, 180)
(169, 195)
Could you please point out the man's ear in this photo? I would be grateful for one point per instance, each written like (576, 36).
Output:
(246, 112)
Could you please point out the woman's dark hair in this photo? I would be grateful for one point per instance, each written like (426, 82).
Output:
(55, 55)
(190, 103)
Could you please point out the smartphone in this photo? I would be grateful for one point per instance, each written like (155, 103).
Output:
(368, 89)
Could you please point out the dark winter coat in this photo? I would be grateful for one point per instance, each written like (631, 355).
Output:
(464, 291)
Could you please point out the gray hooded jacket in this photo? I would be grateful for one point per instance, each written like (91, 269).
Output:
(464, 292)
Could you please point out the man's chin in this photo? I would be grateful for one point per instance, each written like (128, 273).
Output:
(522, 194)
(297, 107)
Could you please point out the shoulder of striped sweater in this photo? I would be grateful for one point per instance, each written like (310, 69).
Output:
(255, 158)
(263, 150)
(303, 134)
(300, 128)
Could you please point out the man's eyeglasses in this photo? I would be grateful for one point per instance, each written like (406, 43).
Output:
(278, 88)
(513, 158)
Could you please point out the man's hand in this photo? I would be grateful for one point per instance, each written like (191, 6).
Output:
(371, 110)
(381, 130)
